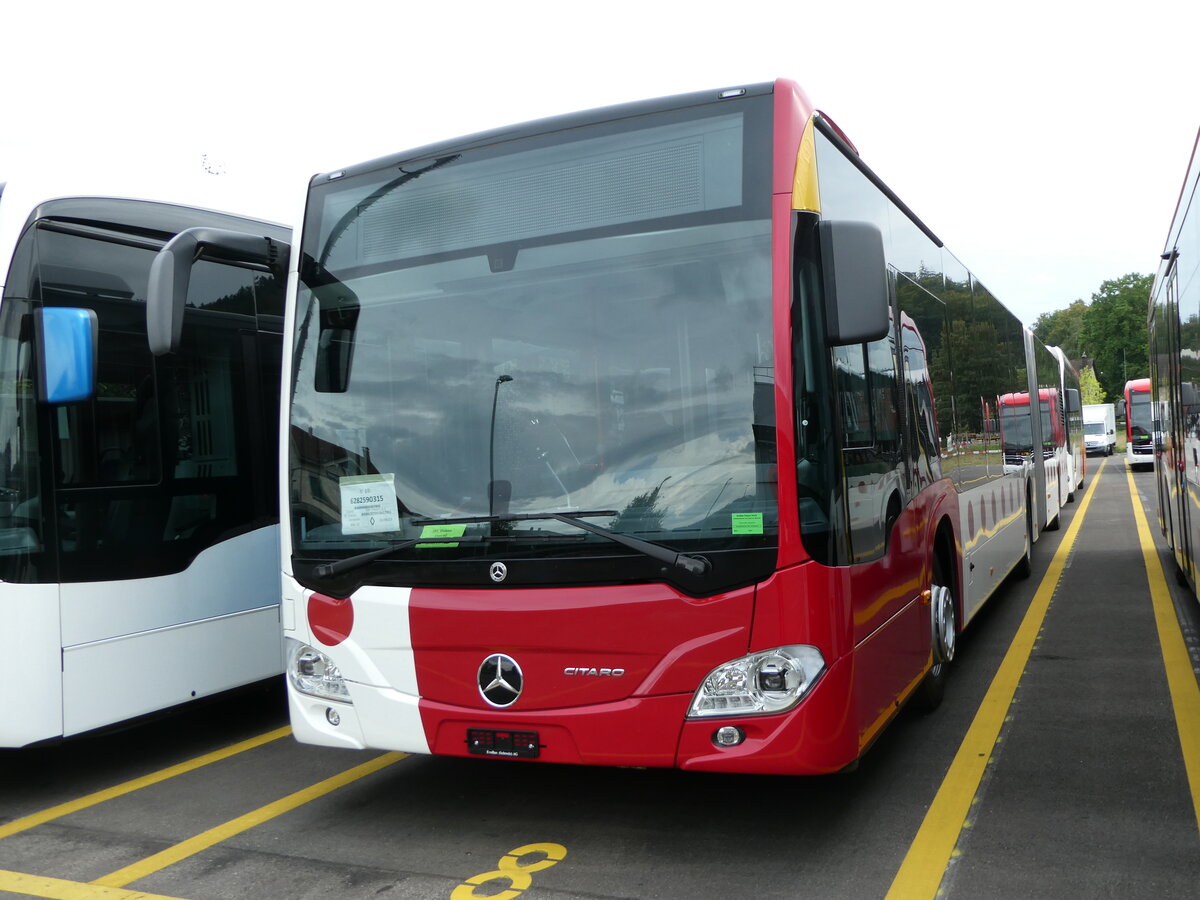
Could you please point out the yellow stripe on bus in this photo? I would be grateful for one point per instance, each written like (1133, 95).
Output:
(1181, 679)
(63, 809)
(213, 836)
(921, 872)
(58, 889)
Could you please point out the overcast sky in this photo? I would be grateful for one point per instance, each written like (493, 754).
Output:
(1044, 142)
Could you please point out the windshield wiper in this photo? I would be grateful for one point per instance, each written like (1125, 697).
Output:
(692, 565)
(361, 559)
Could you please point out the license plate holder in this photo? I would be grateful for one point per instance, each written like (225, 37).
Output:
(498, 742)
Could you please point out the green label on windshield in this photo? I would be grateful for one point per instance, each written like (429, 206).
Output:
(747, 523)
(442, 531)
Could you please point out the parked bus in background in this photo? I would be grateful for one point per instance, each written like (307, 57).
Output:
(656, 435)
(1139, 423)
(1057, 430)
(1072, 418)
(1021, 433)
(138, 503)
(1164, 410)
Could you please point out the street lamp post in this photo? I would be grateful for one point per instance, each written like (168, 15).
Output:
(491, 488)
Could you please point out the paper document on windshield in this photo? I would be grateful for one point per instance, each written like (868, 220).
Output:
(369, 504)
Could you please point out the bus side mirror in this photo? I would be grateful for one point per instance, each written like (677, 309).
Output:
(171, 273)
(66, 340)
(854, 269)
(1073, 404)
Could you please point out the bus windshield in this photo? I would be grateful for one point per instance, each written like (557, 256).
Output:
(1140, 424)
(577, 323)
(1016, 428)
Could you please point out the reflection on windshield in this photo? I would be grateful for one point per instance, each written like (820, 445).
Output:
(585, 378)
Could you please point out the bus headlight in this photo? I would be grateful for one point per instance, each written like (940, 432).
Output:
(312, 672)
(768, 682)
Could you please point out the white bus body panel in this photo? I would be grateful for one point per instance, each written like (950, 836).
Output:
(128, 676)
(992, 523)
(33, 661)
(226, 578)
(92, 654)
(134, 647)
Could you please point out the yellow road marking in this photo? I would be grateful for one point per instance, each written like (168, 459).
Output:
(58, 889)
(212, 836)
(63, 809)
(1181, 679)
(924, 865)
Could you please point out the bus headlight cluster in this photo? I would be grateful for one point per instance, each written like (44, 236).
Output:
(312, 672)
(768, 682)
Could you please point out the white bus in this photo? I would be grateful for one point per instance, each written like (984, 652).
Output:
(138, 497)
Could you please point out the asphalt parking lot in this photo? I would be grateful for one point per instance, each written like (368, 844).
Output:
(1063, 762)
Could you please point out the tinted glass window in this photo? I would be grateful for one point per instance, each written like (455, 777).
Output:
(151, 469)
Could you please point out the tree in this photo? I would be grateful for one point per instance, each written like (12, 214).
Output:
(1114, 332)
(1089, 387)
(1062, 328)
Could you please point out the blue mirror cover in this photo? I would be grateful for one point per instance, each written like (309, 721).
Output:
(66, 341)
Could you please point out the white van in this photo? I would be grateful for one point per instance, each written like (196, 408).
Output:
(1099, 428)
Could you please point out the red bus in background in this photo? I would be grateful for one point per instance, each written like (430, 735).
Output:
(1027, 438)
(654, 435)
(1139, 423)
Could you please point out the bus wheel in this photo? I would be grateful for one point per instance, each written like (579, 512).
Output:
(944, 623)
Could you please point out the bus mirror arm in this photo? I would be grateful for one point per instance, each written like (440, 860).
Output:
(171, 273)
(854, 268)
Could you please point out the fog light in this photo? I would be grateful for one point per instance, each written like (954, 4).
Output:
(333, 717)
(728, 736)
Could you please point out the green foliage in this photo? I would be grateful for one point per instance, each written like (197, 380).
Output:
(1108, 335)
(1089, 387)
(1114, 332)
(1062, 328)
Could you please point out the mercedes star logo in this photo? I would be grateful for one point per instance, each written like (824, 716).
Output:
(499, 572)
(500, 680)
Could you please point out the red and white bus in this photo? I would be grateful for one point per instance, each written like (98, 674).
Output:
(1019, 441)
(1139, 423)
(657, 435)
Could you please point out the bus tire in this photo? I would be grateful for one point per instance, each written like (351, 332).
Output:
(943, 606)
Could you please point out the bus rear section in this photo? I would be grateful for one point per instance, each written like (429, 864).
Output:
(1139, 424)
(139, 515)
(656, 458)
